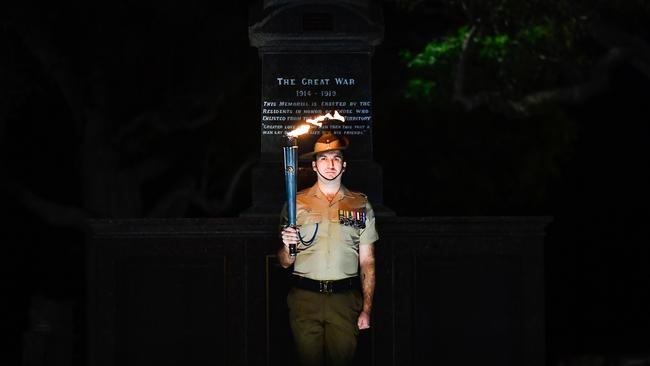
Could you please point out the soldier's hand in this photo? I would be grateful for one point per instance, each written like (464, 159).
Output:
(364, 320)
(290, 236)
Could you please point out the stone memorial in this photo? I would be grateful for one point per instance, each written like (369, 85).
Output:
(315, 59)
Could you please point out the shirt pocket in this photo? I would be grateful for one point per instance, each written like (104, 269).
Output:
(308, 226)
(349, 234)
(352, 235)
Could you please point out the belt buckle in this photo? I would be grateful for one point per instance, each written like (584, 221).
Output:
(325, 287)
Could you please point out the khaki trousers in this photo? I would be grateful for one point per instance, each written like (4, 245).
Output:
(324, 326)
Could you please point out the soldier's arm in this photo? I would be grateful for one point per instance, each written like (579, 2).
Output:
(367, 263)
(289, 236)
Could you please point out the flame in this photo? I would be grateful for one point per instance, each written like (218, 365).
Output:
(300, 130)
(317, 121)
(303, 129)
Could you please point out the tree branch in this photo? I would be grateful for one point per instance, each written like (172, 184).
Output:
(459, 81)
(190, 196)
(53, 213)
(576, 93)
(637, 50)
(621, 47)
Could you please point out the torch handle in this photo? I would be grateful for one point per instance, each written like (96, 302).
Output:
(293, 251)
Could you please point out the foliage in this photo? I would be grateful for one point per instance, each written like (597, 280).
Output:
(512, 49)
(492, 87)
(514, 63)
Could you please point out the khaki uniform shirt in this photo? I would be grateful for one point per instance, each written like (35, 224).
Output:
(334, 253)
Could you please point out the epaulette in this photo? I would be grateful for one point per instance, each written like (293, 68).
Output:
(358, 194)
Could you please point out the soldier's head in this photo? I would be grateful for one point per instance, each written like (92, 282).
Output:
(328, 160)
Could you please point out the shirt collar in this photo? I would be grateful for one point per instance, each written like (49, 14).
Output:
(343, 192)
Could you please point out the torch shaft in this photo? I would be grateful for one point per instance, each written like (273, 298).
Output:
(290, 169)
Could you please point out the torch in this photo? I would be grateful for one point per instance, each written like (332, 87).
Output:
(290, 170)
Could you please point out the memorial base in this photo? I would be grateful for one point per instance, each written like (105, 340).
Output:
(450, 291)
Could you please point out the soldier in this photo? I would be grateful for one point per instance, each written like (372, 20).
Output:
(335, 239)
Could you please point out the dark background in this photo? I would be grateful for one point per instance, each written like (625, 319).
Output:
(151, 110)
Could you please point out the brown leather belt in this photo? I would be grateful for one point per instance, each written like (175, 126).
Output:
(326, 287)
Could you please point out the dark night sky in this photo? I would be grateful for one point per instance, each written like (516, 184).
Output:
(167, 95)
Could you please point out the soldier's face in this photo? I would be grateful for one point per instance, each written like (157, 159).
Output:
(329, 164)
